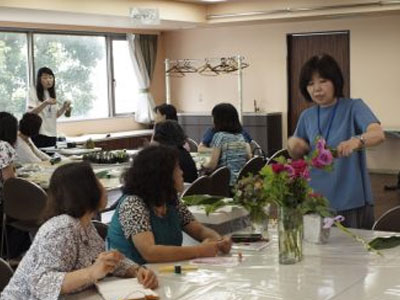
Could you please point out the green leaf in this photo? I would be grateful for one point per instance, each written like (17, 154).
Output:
(201, 199)
(385, 242)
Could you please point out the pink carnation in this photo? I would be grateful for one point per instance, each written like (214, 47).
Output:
(321, 144)
(299, 166)
(277, 168)
(323, 159)
(290, 170)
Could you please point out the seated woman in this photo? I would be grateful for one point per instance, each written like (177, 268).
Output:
(67, 254)
(18, 241)
(27, 152)
(148, 222)
(165, 112)
(170, 133)
(228, 144)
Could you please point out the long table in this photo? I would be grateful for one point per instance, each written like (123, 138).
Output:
(341, 269)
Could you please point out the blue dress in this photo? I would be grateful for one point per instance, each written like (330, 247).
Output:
(348, 185)
(132, 216)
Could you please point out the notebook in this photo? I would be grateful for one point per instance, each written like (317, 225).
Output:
(112, 288)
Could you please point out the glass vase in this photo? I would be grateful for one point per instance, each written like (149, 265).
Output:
(290, 233)
(259, 221)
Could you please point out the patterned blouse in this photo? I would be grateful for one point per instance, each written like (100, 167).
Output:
(135, 216)
(7, 156)
(61, 245)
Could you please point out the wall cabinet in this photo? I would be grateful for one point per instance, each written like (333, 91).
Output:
(264, 128)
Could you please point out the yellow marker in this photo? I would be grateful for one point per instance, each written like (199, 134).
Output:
(171, 268)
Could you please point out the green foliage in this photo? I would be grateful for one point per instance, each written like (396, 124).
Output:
(210, 203)
(73, 59)
(384, 242)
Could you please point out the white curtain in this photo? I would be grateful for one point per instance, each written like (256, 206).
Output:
(145, 104)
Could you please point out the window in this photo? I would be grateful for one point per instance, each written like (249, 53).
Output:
(125, 81)
(80, 69)
(13, 72)
(86, 66)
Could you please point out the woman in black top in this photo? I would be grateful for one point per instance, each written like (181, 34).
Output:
(170, 133)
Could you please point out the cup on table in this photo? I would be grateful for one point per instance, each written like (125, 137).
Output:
(68, 111)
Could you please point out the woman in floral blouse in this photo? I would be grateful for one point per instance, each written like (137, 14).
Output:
(8, 137)
(67, 254)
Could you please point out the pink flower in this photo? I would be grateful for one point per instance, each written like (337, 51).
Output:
(323, 159)
(277, 168)
(290, 170)
(299, 166)
(321, 144)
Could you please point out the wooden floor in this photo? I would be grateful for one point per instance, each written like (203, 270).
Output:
(384, 200)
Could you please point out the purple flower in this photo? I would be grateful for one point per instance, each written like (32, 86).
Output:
(321, 144)
(290, 170)
(323, 159)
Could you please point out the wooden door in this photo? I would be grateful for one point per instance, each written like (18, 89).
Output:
(302, 46)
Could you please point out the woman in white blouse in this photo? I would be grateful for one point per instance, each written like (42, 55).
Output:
(27, 152)
(42, 101)
(67, 254)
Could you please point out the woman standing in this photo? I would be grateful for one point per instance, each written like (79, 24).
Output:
(229, 147)
(347, 125)
(42, 101)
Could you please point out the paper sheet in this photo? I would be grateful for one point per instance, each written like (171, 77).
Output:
(112, 288)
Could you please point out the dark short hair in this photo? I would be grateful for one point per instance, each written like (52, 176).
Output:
(151, 175)
(167, 110)
(73, 190)
(169, 133)
(8, 128)
(226, 118)
(39, 86)
(30, 124)
(327, 67)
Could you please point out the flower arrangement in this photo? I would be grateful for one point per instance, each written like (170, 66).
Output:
(286, 184)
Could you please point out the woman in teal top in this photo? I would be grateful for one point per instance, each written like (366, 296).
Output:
(347, 125)
(148, 222)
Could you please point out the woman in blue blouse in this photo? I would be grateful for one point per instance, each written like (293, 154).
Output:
(347, 125)
(148, 222)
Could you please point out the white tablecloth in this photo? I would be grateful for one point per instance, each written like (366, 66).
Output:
(341, 269)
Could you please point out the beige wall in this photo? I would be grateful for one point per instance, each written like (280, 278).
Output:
(374, 55)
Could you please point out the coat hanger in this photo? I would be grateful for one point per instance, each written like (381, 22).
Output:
(207, 69)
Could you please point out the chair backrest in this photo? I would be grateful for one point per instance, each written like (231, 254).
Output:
(200, 186)
(252, 166)
(256, 149)
(282, 152)
(220, 182)
(5, 274)
(389, 221)
(101, 228)
(23, 200)
(193, 146)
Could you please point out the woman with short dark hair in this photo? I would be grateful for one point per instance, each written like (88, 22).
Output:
(170, 133)
(165, 112)
(27, 152)
(228, 144)
(148, 222)
(67, 254)
(345, 124)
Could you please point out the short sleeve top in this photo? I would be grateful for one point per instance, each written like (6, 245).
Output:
(134, 216)
(233, 152)
(348, 185)
(61, 245)
(48, 114)
(7, 156)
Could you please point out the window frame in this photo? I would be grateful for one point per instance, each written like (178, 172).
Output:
(109, 38)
